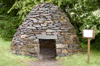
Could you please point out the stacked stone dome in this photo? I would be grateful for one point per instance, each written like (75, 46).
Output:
(45, 21)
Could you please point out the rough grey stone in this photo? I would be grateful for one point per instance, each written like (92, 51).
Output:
(56, 28)
(45, 21)
(44, 28)
(32, 37)
(37, 25)
(34, 20)
(50, 30)
(43, 9)
(46, 36)
(31, 27)
(61, 46)
(43, 33)
(33, 16)
(45, 24)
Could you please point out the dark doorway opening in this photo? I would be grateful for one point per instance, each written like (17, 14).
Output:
(47, 49)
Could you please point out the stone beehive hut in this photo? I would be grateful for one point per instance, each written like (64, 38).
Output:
(46, 31)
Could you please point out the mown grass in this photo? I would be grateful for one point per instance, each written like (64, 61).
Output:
(8, 59)
(80, 59)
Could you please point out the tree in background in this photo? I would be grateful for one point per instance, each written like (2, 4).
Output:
(85, 14)
(9, 22)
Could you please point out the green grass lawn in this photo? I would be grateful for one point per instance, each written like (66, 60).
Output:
(8, 59)
(80, 59)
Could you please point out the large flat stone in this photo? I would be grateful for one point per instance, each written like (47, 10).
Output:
(35, 20)
(31, 27)
(50, 30)
(61, 46)
(46, 36)
(32, 37)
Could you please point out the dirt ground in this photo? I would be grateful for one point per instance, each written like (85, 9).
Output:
(44, 63)
(46, 58)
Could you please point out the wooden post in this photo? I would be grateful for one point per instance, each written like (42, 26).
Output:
(88, 33)
(88, 50)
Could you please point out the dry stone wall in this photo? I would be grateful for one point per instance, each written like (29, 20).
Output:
(45, 21)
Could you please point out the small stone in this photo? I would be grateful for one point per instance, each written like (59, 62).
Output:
(49, 33)
(35, 32)
(39, 11)
(36, 49)
(51, 26)
(63, 28)
(32, 11)
(42, 19)
(56, 33)
(64, 51)
(44, 28)
(36, 40)
(24, 36)
(48, 21)
(39, 28)
(21, 43)
(22, 32)
(50, 30)
(34, 20)
(43, 33)
(56, 28)
(70, 51)
(24, 48)
(13, 47)
(37, 25)
(55, 7)
(68, 42)
(43, 9)
(32, 45)
(56, 16)
(57, 24)
(52, 10)
(45, 24)
(31, 50)
(48, 17)
(61, 55)
(59, 30)
(13, 51)
(31, 27)
(56, 21)
(32, 37)
(58, 50)
(44, 14)
(61, 46)
(30, 16)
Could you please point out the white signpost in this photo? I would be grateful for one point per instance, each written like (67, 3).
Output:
(88, 33)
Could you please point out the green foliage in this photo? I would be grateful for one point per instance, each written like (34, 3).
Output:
(86, 15)
(24, 7)
(5, 5)
(8, 26)
(82, 15)
(96, 42)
